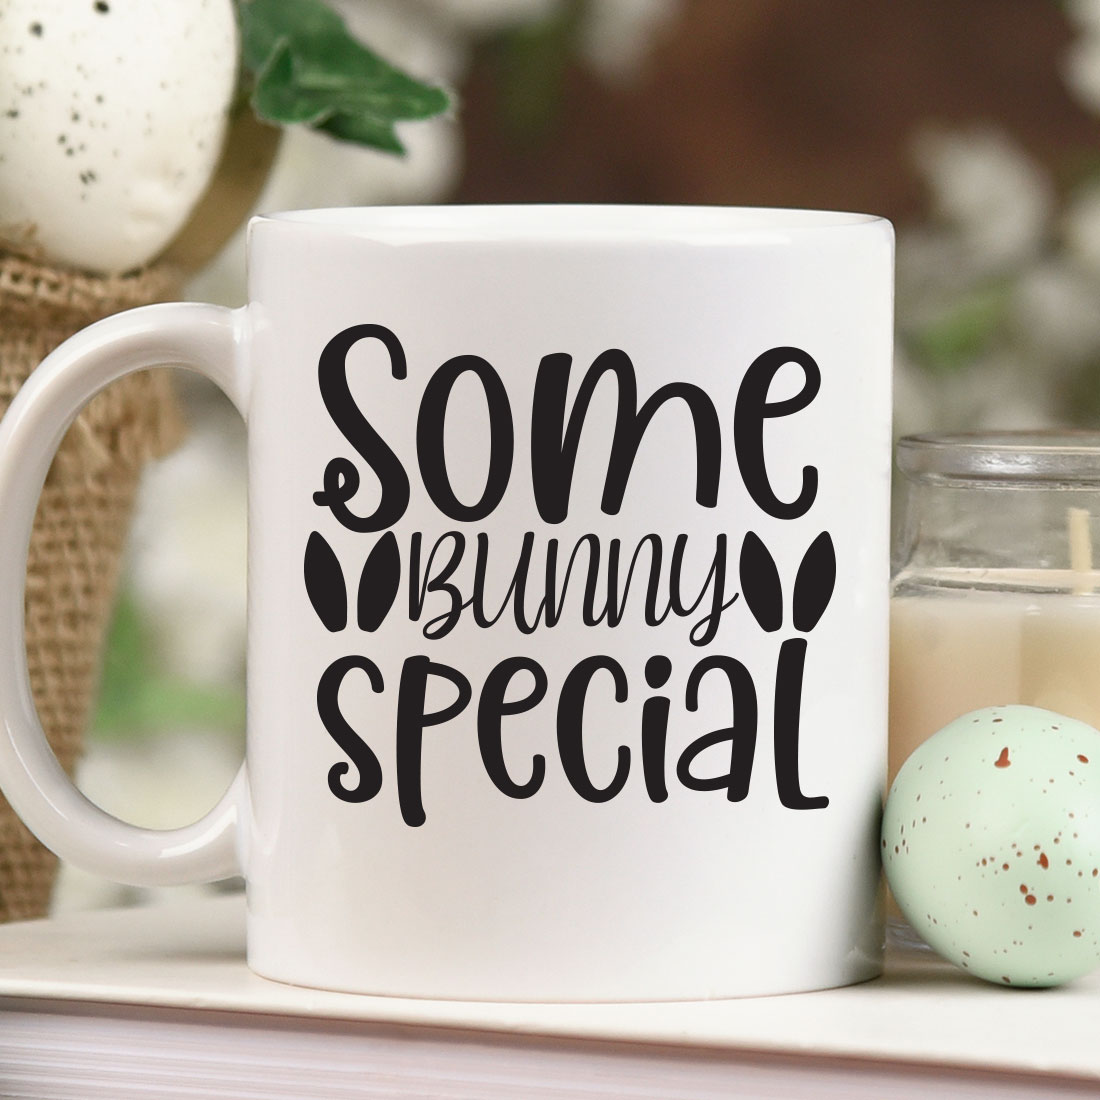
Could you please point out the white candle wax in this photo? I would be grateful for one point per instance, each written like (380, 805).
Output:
(1021, 637)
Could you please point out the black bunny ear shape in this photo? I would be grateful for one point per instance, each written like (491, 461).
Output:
(378, 583)
(325, 583)
(760, 584)
(814, 583)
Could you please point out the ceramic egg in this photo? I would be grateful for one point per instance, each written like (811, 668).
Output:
(991, 845)
(112, 114)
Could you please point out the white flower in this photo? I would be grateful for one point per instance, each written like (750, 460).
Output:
(989, 193)
(934, 267)
(1055, 311)
(617, 34)
(1081, 69)
(1081, 65)
(1081, 229)
(1085, 13)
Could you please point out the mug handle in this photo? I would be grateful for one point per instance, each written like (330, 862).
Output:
(211, 340)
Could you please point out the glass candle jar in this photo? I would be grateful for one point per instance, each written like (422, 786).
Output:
(995, 598)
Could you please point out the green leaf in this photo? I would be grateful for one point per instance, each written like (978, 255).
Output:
(308, 70)
(265, 22)
(957, 337)
(137, 699)
(533, 62)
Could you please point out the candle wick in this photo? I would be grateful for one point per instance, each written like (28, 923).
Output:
(1080, 549)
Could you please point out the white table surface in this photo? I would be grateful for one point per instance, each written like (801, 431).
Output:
(191, 956)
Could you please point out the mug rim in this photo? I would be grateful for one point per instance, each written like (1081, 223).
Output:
(557, 222)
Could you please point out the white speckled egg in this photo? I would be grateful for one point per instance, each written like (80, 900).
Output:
(112, 114)
(991, 844)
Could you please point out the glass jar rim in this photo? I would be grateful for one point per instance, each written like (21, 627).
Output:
(1026, 457)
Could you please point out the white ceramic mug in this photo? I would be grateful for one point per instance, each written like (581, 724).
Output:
(567, 596)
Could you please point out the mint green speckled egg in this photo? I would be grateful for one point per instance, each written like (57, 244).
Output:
(991, 844)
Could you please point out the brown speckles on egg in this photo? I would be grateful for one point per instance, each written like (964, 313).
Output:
(1031, 899)
(1042, 861)
(1002, 761)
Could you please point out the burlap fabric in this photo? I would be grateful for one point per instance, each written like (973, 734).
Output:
(81, 525)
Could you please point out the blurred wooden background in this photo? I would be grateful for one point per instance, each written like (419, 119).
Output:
(811, 103)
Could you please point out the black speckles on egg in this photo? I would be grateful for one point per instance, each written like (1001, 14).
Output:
(102, 7)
